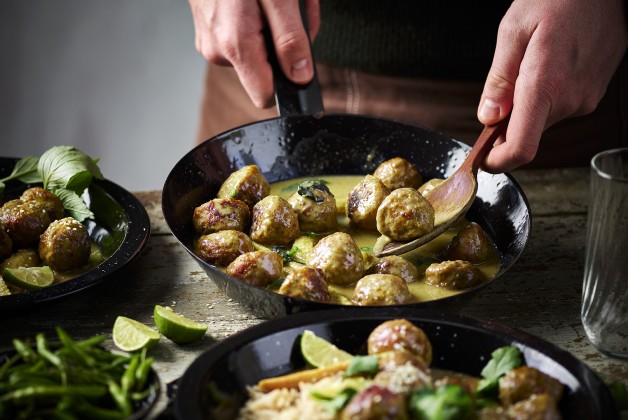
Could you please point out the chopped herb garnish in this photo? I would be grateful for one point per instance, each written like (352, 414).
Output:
(309, 188)
(276, 284)
(363, 365)
(503, 360)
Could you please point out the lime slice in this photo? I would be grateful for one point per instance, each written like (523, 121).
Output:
(176, 327)
(29, 278)
(131, 335)
(319, 352)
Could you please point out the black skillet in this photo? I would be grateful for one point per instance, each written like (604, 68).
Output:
(302, 142)
(214, 386)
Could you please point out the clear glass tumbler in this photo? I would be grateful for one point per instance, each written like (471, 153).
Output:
(605, 289)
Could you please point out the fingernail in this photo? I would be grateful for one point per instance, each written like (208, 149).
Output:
(489, 110)
(301, 71)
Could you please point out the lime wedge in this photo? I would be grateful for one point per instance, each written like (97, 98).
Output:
(29, 278)
(131, 335)
(176, 327)
(4, 289)
(319, 352)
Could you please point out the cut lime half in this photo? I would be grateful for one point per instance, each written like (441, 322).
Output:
(29, 278)
(319, 352)
(131, 335)
(176, 327)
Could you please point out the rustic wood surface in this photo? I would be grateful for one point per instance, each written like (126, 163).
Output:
(540, 294)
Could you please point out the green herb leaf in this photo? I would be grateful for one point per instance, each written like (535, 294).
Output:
(362, 365)
(312, 189)
(293, 187)
(275, 284)
(503, 360)
(73, 204)
(286, 255)
(25, 170)
(337, 402)
(67, 167)
(444, 403)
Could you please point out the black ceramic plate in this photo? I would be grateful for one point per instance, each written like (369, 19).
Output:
(291, 147)
(213, 387)
(120, 226)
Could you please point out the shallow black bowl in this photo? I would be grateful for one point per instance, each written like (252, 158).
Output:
(120, 227)
(291, 147)
(214, 386)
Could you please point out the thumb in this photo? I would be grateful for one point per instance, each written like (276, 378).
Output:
(497, 97)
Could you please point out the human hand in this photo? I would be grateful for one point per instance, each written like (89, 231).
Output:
(229, 33)
(553, 60)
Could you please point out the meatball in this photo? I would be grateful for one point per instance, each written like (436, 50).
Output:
(65, 245)
(426, 188)
(6, 244)
(522, 382)
(306, 283)
(220, 248)
(221, 214)
(24, 221)
(454, 275)
(315, 206)
(364, 200)
(405, 215)
(470, 244)
(257, 268)
(274, 222)
(339, 257)
(397, 266)
(537, 406)
(47, 199)
(381, 289)
(398, 173)
(400, 334)
(247, 184)
(402, 372)
(375, 403)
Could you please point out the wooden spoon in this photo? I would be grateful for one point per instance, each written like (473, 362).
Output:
(452, 198)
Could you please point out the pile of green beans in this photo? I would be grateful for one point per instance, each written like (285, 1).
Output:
(72, 380)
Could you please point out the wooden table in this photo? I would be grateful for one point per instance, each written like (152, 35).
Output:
(540, 294)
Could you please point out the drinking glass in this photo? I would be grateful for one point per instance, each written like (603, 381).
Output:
(605, 288)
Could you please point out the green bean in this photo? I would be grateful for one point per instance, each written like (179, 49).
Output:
(121, 398)
(93, 341)
(143, 370)
(26, 394)
(42, 349)
(74, 349)
(24, 350)
(7, 365)
(128, 378)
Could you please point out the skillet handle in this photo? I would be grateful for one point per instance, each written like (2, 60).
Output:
(291, 98)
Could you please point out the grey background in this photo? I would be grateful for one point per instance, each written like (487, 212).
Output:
(118, 79)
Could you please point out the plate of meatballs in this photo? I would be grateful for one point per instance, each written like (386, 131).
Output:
(298, 229)
(397, 363)
(46, 254)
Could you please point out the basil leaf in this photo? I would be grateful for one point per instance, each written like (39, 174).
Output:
(73, 204)
(25, 170)
(362, 365)
(67, 167)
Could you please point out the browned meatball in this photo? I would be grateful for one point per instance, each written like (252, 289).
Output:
(315, 206)
(397, 266)
(6, 244)
(257, 268)
(391, 360)
(65, 245)
(400, 334)
(375, 403)
(47, 199)
(247, 184)
(402, 372)
(274, 222)
(24, 221)
(536, 407)
(426, 188)
(381, 289)
(454, 275)
(524, 381)
(364, 200)
(220, 248)
(221, 214)
(405, 215)
(306, 283)
(470, 244)
(398, 173)
(339, 257)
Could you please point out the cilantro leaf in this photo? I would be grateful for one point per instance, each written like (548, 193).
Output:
(363, 365)
(448, 402)
(503, 360)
